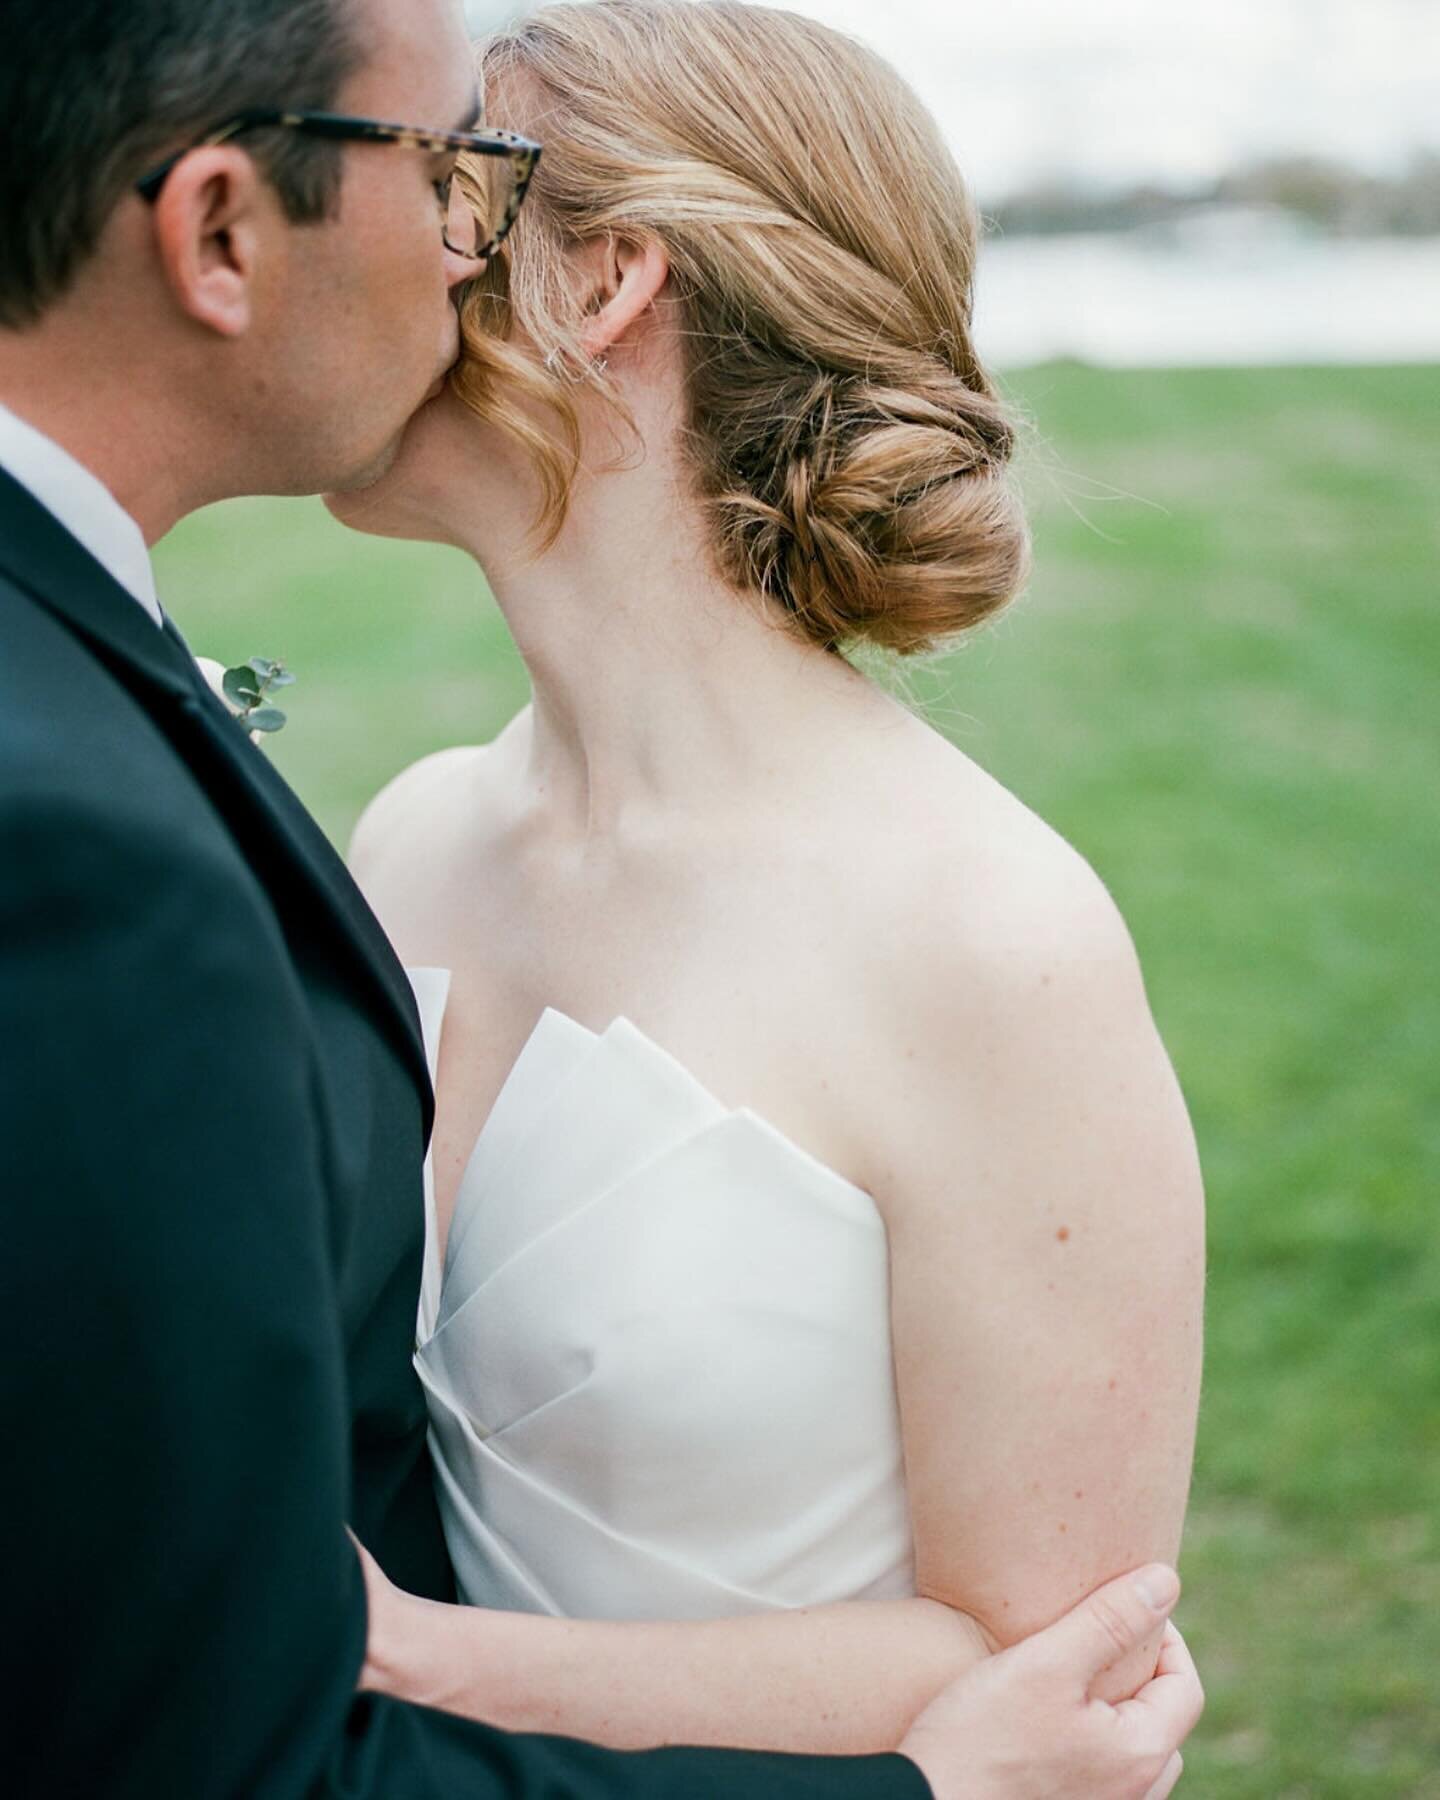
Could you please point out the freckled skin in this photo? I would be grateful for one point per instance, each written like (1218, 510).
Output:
(1063, 1235)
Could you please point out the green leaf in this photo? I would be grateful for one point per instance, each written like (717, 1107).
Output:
(282, 677)
(240, 688)
(263, 666)
(267, 718)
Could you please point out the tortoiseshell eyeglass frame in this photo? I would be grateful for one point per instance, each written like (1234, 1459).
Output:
(522, 152)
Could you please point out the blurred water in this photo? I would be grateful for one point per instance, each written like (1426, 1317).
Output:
(1225, 295)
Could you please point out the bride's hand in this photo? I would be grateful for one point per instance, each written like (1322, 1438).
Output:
(391, 1635)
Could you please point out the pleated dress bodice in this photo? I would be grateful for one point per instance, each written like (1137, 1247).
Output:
(657, 1354)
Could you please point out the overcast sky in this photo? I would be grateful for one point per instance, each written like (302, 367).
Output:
(1116, 90)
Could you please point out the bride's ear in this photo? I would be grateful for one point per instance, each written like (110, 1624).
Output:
(627, 276)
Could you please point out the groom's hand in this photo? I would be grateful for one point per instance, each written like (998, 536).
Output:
(1022, 1725)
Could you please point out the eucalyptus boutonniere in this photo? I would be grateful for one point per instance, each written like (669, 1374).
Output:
(248, 689)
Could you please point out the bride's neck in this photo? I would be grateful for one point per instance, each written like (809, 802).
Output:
(656, 686)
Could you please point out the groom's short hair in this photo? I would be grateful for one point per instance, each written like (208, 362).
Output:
(94, 93)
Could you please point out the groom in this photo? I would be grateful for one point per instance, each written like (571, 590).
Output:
(213, 1095)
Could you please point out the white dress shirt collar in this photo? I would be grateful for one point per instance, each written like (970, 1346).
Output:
(83, 505)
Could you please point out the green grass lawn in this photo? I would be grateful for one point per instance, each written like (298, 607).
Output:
(1222, 687)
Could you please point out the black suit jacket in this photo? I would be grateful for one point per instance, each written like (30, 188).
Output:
(213, 1112)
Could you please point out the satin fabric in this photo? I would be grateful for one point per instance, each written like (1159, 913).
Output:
(657, 1358)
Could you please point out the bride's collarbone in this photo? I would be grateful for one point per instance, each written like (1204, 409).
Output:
(782, 973)
(735, 1030)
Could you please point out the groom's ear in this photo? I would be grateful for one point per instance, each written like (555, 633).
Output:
(212, 219)
(626, 278)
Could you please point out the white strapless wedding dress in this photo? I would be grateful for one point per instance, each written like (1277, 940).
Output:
(657, 1357)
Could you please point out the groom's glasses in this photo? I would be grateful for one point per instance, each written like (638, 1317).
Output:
(475, 214)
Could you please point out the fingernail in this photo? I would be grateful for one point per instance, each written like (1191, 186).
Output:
(1158, 1586)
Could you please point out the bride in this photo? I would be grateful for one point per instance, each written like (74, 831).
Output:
(814, 1284)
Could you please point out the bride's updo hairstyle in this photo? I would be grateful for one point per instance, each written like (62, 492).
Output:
(851, 452)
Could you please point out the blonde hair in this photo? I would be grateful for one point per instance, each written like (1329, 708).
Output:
(849, 450)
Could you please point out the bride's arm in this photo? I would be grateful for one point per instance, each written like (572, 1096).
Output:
(1040, 1189)
(1045, 1214)
(830, 1679)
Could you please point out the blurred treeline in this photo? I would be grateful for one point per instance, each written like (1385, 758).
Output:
(1318, 194)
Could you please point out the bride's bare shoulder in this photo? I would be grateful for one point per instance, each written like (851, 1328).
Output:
(990, 880)
(407, 803)
(1007, 932)
(1006, 1016)
(424, 815)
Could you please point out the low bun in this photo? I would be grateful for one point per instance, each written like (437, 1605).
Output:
(884, 514)
(849, 448)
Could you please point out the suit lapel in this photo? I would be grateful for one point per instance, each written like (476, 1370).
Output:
(283, 844)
